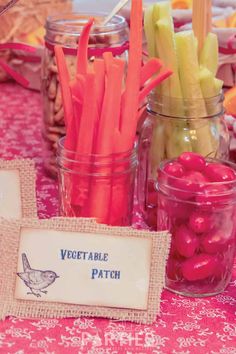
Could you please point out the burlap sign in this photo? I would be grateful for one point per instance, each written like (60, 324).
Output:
(34, 251)
(17, 189)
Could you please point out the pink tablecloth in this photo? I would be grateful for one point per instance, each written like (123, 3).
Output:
(186, 326)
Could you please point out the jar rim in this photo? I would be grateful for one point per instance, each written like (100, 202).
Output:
(161, 105)
(73, 22)
(97, 159)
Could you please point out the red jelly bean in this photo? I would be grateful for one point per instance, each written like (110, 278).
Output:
(152, 198)
(217, 172)
(177, 209)
(151, 186)
(199, 267)
(200, 222)
(174, 169)
(214, 242)
(185, 241)
(152, 218)
(192, 161)
(188, 185)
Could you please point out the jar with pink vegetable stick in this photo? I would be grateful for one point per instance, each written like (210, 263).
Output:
(197, 204)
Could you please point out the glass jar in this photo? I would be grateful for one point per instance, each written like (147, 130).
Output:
(65, 30)
(173, 126)
(201, 219)
(99, 186)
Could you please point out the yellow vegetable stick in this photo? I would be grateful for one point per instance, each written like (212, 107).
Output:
(208, 56)
(150, 31)
(190, 84)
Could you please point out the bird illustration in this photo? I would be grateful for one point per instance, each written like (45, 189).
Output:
(36, 280)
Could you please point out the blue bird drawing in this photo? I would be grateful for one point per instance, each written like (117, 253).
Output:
(36, 280)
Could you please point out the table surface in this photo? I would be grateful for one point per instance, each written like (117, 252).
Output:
(186, 325)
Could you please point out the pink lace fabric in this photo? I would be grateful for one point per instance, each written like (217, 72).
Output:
(186, 325)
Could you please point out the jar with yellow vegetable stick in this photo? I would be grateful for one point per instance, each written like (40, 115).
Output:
(186, 112)
(165, 135)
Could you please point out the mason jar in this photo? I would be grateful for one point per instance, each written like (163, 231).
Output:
(97, 186)
(200, 215)
(173, 126)
(65, 30)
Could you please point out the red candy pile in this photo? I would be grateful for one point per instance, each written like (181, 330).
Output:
(196, 202)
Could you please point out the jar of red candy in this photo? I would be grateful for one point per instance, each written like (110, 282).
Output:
(173, 126)
(197, 204)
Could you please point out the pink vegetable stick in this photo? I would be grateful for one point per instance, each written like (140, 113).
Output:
(131, 95)
(99, 68)
(150, 68)
(153, 83)
(101, 189)
(82, 53)
(84, 147)
(70, 139)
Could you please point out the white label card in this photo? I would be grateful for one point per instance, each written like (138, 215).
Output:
(70, 267)
(82, 268)
(17, 189)
(10, 194)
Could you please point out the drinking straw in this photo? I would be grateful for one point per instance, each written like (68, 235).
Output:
(201, 20)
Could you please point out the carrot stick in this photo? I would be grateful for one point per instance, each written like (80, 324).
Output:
(77, 87)
(101, 188)
(82, 53)
(99, 68)
(86, 129)
(84, 147)
(125, 140)
(66, 97)
(153, 83)
(131, 95)
(110, 108)
(150, 68)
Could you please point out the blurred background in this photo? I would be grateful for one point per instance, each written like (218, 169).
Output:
(102, 5)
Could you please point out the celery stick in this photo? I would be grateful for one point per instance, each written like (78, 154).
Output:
(218, 85)
(207, 82)
(190, 83)
(209, 54)
(211, 87)
(150, 31)
(171, 88)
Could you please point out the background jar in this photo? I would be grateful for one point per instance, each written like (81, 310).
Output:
(173, 126)
(99, 186)
(65, 30)
(201, 220)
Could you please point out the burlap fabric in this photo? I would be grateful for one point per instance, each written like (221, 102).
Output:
(9, 245)
(27, 173)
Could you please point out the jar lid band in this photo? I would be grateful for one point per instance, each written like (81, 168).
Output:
(116, 51)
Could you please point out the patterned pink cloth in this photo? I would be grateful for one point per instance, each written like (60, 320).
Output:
(186, 326)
